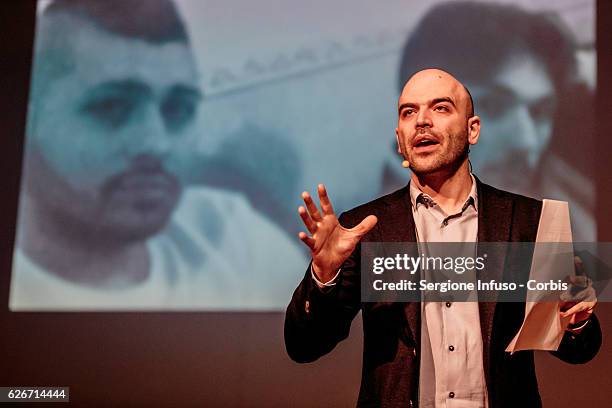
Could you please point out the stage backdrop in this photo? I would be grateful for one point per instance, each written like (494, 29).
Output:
(155, 246)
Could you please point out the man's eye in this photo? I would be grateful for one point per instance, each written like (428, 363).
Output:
(441, 108)
(177, 112)
(407, 112)
(112, 112)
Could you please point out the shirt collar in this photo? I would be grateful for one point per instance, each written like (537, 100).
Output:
(419, 197)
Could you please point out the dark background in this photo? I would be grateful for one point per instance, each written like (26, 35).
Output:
(220, 359)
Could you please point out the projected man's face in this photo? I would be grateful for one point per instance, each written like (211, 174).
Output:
(516, 108)
(104, 135)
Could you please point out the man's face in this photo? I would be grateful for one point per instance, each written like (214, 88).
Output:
(432, 132)
(103, 136)
(516, 108)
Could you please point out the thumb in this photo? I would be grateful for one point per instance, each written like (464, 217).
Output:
(366, 225)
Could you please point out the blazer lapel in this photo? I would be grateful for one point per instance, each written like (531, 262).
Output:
(494, 222)
(397, 225)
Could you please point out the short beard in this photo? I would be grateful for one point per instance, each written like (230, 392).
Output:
(448, 162)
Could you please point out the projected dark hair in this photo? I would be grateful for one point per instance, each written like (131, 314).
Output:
(473, 40)
(154, 21)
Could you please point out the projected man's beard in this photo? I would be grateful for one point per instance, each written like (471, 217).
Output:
(138, 203)
(129, 206)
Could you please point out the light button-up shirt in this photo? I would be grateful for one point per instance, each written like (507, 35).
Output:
(451, 369)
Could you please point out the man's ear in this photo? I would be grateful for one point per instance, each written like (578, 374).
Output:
(473, 129)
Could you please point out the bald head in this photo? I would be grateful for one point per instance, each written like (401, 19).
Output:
(436, 80)
(436, 122)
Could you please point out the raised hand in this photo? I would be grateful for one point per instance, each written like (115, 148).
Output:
(581, 304)
(330, 243)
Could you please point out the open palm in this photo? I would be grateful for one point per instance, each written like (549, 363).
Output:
(330, 243)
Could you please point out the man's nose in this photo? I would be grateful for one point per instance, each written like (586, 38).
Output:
(423, 119)
(150, 136)
(527, 136)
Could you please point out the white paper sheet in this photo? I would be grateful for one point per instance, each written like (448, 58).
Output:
(543, 327)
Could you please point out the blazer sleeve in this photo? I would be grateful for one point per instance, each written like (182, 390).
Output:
(580, 348)
(316, 320)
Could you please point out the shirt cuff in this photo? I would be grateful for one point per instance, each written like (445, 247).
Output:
(325, 286)
(578, 329)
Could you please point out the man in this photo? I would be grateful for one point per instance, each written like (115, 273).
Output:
(525, 92)
(439, 354)
(104, 222)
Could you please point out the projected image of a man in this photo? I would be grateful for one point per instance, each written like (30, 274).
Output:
(113, 110)
(104, 130)
(528, 84)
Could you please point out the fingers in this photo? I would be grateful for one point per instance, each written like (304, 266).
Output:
(579, 307)
(311, 217)
(366, 225)
(309, 241)
(313, 211)
(326, 204)
(308, 222)
(315, 215)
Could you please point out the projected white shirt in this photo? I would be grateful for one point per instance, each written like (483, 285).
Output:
(217, 253)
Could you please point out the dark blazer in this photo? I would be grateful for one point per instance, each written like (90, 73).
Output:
(316, 321)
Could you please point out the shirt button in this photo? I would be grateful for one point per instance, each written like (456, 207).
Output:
(414, 352)
(307, 307)
(448, 304)
(451, 395)
(451, 348)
